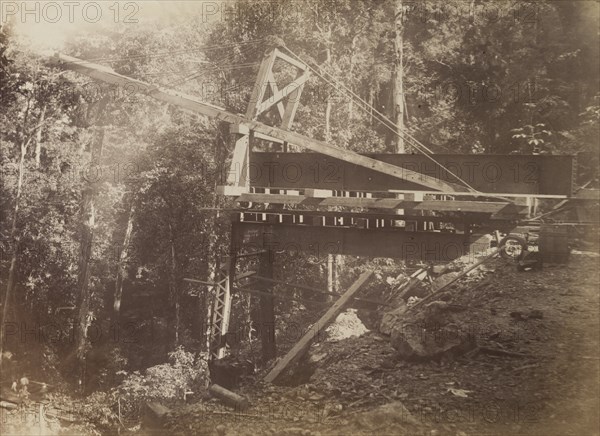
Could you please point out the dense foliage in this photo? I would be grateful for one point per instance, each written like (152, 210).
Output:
(95, 161)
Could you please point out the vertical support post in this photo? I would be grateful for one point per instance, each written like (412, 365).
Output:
(221, 312)
(239, 171)
(267, 308)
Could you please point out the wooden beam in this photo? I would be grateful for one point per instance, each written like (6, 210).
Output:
(237, 277)
(395, 243)
(292, 104)
(368, 203)
(190, 103)
(275, 90)
(461, 206)
(271, 198)
(303, 344)
(290, 60)
(358, 159)
(479, 194)
(244, 275)
(267, 138)
(282, 93)
(504, 175)
(238, 170)
(260, 86)
(485, 207)
(228, 397)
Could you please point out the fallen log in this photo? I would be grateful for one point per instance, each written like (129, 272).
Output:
(303, 344)
(232, 399)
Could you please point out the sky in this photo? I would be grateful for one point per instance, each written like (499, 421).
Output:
(47, 25)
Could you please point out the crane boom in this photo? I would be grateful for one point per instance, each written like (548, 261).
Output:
(108, 75)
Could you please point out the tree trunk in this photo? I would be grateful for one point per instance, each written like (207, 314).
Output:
(15, 241)
(338, 264)
(10, 286)
(122, 262)
(328, 103)
(330, 275)
(174, 288)
(38, 140)
(398, 84)
(88, 224)
(351, 75)
(267, 308)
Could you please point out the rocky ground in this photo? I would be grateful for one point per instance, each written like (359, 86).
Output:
(506, 352)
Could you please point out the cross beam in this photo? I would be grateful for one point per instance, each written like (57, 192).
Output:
(320, 241)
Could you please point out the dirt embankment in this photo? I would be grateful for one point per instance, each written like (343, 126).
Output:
(531, 367)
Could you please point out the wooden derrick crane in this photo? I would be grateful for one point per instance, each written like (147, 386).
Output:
(331, 177)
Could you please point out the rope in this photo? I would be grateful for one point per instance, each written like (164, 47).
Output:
(228, 58)
(383, 119)
(174, 52)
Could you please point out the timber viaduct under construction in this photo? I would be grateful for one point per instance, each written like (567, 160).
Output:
(310, 196)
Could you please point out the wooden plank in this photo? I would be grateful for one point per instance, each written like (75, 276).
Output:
(510, 195)
(368, 203)
(303, 344)
(193, 104)
(487, 207)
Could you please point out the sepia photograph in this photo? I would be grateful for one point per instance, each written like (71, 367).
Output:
(300, 217)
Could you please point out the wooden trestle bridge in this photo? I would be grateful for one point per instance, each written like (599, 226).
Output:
(334, 201)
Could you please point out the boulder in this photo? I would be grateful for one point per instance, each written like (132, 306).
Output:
(154, 417)
(392, 318)
(430, 332)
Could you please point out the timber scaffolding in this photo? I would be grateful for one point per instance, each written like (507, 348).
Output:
(330, 200)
